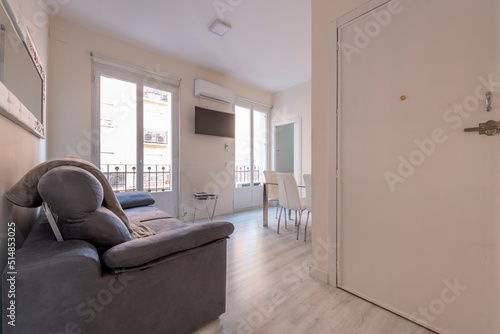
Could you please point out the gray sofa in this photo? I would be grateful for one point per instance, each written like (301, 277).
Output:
(103, 278)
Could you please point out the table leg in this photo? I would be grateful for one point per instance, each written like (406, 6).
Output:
(215, 204)
(208, 213)
(195, 208)
(265, 206)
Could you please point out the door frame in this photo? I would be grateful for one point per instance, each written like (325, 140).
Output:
(334, 133)
(297, 146)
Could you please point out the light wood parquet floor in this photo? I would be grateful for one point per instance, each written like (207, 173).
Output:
(269, 289)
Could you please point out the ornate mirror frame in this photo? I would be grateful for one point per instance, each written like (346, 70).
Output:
(10, 106)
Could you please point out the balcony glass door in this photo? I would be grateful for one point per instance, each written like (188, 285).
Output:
(251, 155)
(157, 146)
(137, 137)
(243, 145)
(118, 132)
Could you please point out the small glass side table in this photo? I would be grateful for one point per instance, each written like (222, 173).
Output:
(205, 197)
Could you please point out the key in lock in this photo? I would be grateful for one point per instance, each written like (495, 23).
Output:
(490, 128)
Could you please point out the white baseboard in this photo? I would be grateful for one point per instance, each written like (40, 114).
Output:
(203, 215)
(318, 274)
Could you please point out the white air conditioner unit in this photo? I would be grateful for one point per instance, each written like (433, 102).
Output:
(208, 90)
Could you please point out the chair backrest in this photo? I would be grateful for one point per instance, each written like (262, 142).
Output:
(308, 184)
(272, 189)
(288, 191)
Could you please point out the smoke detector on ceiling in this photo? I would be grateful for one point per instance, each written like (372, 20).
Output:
(219, 27)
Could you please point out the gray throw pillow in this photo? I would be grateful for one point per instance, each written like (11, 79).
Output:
(133, 199)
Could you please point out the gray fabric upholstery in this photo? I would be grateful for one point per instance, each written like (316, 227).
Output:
(71, 192)
(25, 193)
(146, 213)
(164, 225)
(154, 218)
(141, 251)
(75, 196)
(102, 228)
(63, 287)
(133, 199)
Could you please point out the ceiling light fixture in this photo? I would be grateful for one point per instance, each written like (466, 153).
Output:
(219, 27)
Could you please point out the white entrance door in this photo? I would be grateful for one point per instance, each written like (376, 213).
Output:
(418, 205)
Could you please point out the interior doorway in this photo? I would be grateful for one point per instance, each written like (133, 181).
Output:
(287, 149)
(284, 148)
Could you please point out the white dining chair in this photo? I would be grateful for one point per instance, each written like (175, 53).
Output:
(308, 184)
(289, 198)
(272, 189)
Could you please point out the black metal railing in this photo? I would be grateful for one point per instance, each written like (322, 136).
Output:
(156, 178)
(242, 175)
(122, 177)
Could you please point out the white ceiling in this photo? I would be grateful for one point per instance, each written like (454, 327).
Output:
(269, 45)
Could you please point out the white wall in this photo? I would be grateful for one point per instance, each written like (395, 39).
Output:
(202, 158)
(20, 150)
(295, 102)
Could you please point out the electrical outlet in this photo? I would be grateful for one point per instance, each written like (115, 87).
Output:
(185, 211)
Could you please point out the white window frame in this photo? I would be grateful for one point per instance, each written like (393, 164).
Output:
(106, 67)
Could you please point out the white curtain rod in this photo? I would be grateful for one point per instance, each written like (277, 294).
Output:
(132, 69)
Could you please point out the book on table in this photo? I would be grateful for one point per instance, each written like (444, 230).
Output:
(203, 195)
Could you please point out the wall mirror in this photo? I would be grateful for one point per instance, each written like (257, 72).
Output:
(22, 77)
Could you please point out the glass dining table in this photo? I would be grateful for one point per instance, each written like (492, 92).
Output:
(265, 203)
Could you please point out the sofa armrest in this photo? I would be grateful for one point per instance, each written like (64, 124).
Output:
(138, 252)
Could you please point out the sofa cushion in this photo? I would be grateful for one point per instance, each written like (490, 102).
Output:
(146, 213)
(133, 199)
(165, 224)
(70, 192)
(102, 228)
(75, 196)
(155, 219)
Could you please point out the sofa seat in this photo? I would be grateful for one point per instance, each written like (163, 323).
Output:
(157, 220)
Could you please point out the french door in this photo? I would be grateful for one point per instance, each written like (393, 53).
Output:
(251, 154)
(418, 211)
(136, 123)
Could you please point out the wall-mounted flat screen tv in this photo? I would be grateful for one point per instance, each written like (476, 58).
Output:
(214, 123)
